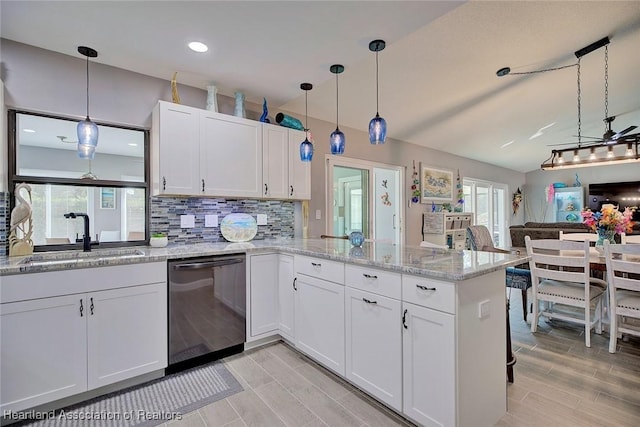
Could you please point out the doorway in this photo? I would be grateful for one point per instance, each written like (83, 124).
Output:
(364, 196)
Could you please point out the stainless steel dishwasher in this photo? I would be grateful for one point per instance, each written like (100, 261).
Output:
(207, 309)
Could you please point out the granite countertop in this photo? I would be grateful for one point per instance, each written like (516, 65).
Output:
(454, 265)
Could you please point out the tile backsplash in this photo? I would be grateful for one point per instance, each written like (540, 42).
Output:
(166, 211)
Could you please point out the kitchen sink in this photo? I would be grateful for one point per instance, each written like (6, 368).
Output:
(50, 258)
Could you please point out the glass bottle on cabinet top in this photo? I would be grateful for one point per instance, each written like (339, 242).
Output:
(567, 204)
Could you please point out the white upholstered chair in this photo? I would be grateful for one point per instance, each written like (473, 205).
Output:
(623, 272)
(561, 280)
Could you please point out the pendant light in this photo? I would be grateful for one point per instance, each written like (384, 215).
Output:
(377, 125)
(337, 139)
(306, 147)
(87, 130)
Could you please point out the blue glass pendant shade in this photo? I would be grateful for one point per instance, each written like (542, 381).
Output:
(377, 130)
(87, 136)
(337, 141)
(86, 151)
(306, 150)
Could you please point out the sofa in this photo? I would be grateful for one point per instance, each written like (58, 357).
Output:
(543, 230)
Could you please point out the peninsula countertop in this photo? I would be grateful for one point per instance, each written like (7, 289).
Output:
(453, 265)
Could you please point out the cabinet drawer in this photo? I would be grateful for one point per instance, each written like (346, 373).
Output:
(386, 283)
(429, 293)
(325, 269)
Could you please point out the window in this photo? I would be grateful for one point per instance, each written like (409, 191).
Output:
(111, 189)
(487, 201)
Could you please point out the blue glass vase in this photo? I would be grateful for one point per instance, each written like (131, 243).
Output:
(605, 234)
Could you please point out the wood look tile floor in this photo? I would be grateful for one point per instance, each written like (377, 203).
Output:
(558, 382)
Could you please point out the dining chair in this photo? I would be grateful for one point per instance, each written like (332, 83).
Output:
(479, 239)
(562, 279)
(578, 237)
(629, 238)
(623, 272)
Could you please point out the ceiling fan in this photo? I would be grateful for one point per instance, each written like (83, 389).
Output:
(610, 136)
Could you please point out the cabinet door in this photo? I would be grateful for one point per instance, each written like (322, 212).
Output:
(374, 345)
(176, 149)
(319, 314)
(230, 155)
(127, 333)
(299, 171)
(264, 294)
(429, 374)
(286, 297)
(275, 173)
(43, 349)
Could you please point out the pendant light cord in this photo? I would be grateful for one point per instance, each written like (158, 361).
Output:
(579, 112)
(377, 109)
(606, 87)
(337, 104)
(306, 111)
(87, 86)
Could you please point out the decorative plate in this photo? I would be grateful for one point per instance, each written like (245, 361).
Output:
(572, 217)
(238, 227)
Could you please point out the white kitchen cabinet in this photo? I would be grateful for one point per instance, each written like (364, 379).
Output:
(374, 345)
(429, 366)
(110, 324)
(319, 310)
(175, 149)
(299, 171)
(230, 156)
(275, 167)
(286, 297)
(263, 273)
(116, 350)
(43, 345)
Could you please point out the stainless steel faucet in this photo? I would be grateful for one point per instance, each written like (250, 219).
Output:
(86, 239)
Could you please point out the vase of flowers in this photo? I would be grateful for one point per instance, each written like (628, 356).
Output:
(608, 222)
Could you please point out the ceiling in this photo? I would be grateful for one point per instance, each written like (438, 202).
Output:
(438, 84)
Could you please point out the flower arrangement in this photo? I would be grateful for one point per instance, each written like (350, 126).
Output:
(609, 219)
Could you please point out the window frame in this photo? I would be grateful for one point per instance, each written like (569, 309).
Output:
(14, 179)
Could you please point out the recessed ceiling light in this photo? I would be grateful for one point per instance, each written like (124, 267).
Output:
(29, 130)
(133, 144)
(198, 47)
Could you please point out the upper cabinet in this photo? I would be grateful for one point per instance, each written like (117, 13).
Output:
(202, 153)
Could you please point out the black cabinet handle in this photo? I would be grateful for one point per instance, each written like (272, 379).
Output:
(81, 308)
(369, 301)
(404, 319)
(164, 183)
(294, 284)
(91, 306)
(291, 193)
(203, 185)
(265, 189)
(316, 264)
(368, 276)
(424, 288)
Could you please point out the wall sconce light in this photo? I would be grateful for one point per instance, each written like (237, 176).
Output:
(87, 130)
(337, 139)
(377, 125)
(306, 147)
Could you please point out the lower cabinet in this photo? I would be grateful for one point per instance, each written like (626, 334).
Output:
(429, 366)
(263, 295)
(286, 297)
(59, 346)
(374, 345)
(319, 321)
(116, 350)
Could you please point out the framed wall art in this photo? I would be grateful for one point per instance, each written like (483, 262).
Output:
(107, 198)
(436, 185)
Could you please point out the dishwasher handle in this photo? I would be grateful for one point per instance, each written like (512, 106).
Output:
(207, 264)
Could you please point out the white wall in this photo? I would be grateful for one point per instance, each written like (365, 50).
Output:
(40, 80)
(534, 192)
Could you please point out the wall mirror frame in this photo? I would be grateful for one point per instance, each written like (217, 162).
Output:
(62, 182)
